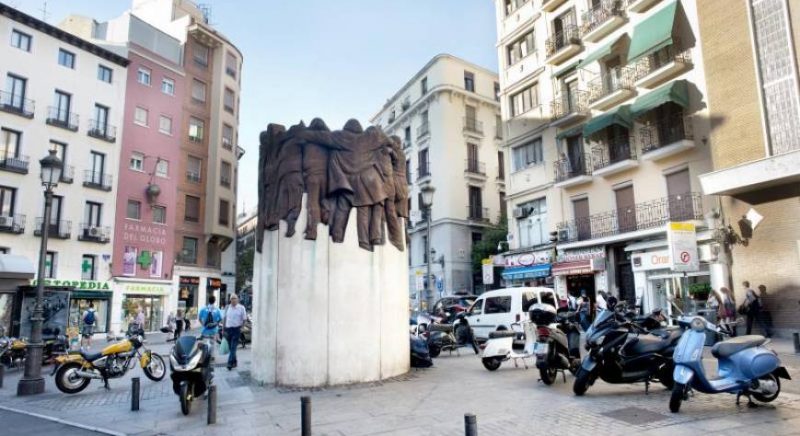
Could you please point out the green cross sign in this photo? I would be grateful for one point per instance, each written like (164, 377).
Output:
(86, 266)
(144, 259)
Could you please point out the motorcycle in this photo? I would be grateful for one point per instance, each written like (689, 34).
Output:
(191, 371)
(74, 371)
(557, 346)
(13, 350)
(441, 337)
(623, 352)
(500, 346)
(420, 356)
(746, 367)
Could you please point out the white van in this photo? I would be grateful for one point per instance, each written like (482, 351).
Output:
(498, 309)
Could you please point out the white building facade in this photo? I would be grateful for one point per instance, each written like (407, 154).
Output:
(447, 117)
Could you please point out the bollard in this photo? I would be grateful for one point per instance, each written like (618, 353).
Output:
(305, 416)
(212, 404)
(470, 425)
(796, 346)
(135, 394)
(2, 373)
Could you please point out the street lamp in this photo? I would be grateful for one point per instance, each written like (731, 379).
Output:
(427, 201)
(32, 381)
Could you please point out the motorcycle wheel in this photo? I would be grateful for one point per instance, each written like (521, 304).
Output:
(156, 369)
(68, 381)
(492, 363)
(434, 350)
(583, 379)
(574, 366)
(768, 398)
(678, 393)
(548, 375)
(461, 333)
(665, 375)
(186, 403)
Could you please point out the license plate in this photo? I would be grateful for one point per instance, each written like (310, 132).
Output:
(540, 348)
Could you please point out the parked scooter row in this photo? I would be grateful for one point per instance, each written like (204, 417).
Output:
(13, 351)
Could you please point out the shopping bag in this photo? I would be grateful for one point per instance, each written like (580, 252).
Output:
(224, 348)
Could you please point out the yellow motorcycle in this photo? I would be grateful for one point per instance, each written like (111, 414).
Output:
(74, 371)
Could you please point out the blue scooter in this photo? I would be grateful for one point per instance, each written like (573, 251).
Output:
(745, 366)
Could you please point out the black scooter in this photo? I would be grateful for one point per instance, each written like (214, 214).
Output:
(557, 347)
(192, 374)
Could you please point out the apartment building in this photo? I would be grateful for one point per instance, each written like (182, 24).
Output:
(751, 49)
(66, 94)
(607, 117)
(447, 116)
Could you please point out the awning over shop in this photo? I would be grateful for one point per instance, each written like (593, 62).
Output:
(566, 69)
(527, 272)
(621, 116)
(573, 268)
(571, 132)
(653, 33)
(676, 91)
(602, 51)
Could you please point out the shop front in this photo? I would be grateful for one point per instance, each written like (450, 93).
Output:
(580, 271)
(189, 295)
(526, 269)
(97, 293)
(150, 298)
(659, 287)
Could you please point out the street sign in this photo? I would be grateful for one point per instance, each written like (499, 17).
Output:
(682, 238)
(488, 271)
(420, 281)
(439, 284)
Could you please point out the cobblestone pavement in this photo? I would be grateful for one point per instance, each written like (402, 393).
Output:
(509, 401)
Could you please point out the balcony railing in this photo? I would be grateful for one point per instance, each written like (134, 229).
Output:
(612, 151)
(611, 82)
(62, 118)
(16, 104)
(406, 144)
(14, 164)
(97, 180)
(474, 166)
(57, 230)
(92, 233)
(225, 181)
(651, 63)
(563, 105)
(12, 224)
(477, 213)
(67, 174)
(423, 129)
(187, 259)
(641, 216)
(664, 132)
(423, 171)
(193, 177)
(102, 130)
(566, 169)
(227, 144)
(473, 125)
(604, 11)
(570, 34)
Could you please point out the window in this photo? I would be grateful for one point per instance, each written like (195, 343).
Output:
(520, 48)
(231, 64)
(527, 155)
(503, 206)
(66, 59)
(501, 166)
(224, 213)
(193, 168)
(61, 108)
(192, 209)
(137, 162)
(477, 308)
(189, 251)
(143, 76)
(134, 210)
(424, 85)
(525, 100)
(200, 54)
(227, 136)
(168, 86)
(16, 87)
(20, 40)
(498, 305)
(165, 124)
(513, 5)
(475, 207)
(87, 267)
(532, 227)
(9, 145)
(407, 136)
(162, 168)
(50, 265)
(61, 152)
(100, 119)
(7, 197)
(104, 74)
(98, 162)
(92, 214)
(196, 127)
(496, 91)
(469, 81)
(198, 91)
(140, 116)
(422, 164)
(225, 174)
(408, 174)
(159, 214)
(229, 100)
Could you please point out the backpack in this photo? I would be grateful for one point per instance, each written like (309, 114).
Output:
(89, 318)
(209, 322)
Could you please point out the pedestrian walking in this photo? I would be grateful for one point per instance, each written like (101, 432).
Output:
(583, 313)
(171, 325)
(209, 318)
(139, 322)
(752, 309)
(235, 317)
(88, 321)
(178, 326)
(726, 310)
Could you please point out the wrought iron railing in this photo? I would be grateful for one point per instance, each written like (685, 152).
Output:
(16, 104)
(474, 166)
(641, 216)
(477, 213)
(665, 131)
(570, 34)
(613, 150)
(188, 259)
(423, 129)
(611, 82)
(563, 105)
(473, 125)
(566, 169)
(68, 174)
(193, 177)
(12, 223)
(660, 58)
(602, 12)
(15, 164)
(97, 180)
(57, 229)
(225, 181)
(92, 233)
(62, 118)
(102, 130)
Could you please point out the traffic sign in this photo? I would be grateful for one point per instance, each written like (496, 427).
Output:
(682, 239)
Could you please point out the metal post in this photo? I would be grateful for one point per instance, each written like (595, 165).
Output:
(135, 394)
(470, 425)
(796, 350)
(32, 381)
(2, 374)
(428, 289)
(212, 404)
(305, 416)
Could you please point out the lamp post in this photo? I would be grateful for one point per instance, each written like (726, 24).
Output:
(427, 203)
(32, 381)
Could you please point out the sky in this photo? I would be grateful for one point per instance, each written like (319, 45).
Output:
(334, 59)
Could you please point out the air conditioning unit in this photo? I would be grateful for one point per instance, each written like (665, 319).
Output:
(520, 212)
(563, 235)
(95, 232)
(6, 221)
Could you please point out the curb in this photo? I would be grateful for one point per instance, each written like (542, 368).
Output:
(64, 422)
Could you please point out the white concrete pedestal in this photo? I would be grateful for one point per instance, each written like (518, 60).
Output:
(326, 313)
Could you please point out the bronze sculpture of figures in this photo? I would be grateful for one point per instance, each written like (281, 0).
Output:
(338, 170)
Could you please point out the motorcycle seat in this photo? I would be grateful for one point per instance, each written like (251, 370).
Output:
(735, 345)
(502, 334)
(644, 344)
(89, 357)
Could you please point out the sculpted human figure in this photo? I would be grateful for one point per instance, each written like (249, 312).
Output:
(290, 177)
(315, 174)
(396, 206)
(268, 214)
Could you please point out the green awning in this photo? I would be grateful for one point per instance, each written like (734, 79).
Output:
(564, 70)
(601, 52)
(571, 132)
(677, 92)
(620, 116)
(653, 33)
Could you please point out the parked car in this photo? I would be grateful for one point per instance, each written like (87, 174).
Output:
(497, 310)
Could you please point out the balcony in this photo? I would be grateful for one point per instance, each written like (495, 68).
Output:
(569, 173)
(602, 19)
(562, 45)
(642, 216)
(474, 169)
(614, 156)
(423, 130)
(97, 180)
(478, 214)
(227, 144)
(225, 181)
(568, 109)
(551, 5)
(102, 130)
(16, 104)
(192, 177)
(56, 230)
(423, 172)
(14, 164)
(67, 174)
(472, 125)
(14, 224)
(406, 144)
(664, 64)
(186, 258)
(666, 137)
(92, 233)
(60, 118)
(641, 5)
(612, 88)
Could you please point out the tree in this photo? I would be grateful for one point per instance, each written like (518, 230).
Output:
(244, 268)
(487, 247)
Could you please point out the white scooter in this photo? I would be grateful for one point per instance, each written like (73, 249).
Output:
(500, 346)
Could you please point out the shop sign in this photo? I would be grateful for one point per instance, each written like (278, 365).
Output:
(90, 285)
(420, 280)
(190, 280)
(651, 260)
(488, 271)
(143, 233)
(578, 254)
(682, 239)
(145, 289)
(528, 259)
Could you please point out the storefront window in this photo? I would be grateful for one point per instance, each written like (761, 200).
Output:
(77, 306)
(153, 307)
(187, 296)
